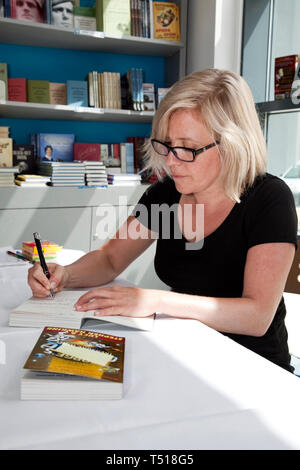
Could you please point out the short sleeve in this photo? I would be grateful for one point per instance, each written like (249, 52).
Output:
(271, 215)
(160, 192)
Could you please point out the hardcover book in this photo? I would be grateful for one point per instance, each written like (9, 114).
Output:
(113, 16)
(77, 93)
(285, 68)
(17, 89)
(55, 147)
(74, 364)
(88, 151)
(23, 158)
(166, 21)
(32, 11)
(38, 91)
(6, 159)
(85, 18)
(58, 93)
(60, 311)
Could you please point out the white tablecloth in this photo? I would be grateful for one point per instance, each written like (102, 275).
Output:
(186, 387)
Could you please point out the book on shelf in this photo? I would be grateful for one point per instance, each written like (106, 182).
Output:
(31, 181)
(149, 96)
(86, 151)
(161, 93)
(53, 147)
(1, 8)
(23, 158)
(141, 18)
(113, 17)
(74, 364)
(110, 155)
(284, 75)
(6, 152)
(3, 81)
(27, 11)
(124, 179)
(17, 89)
(4, 131)
(38, 91)
(7, 176)
(95, 174)
(166, 21)
(60, 311)
(58, 93)
(77, 93)
(63, 173)
(60, 14)
(138, 152)
(132, 90)
(127, 157)
(85, 18)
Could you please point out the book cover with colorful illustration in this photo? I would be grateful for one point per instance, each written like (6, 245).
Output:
(78, 352)
(166, 21)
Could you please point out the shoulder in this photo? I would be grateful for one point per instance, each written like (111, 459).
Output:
(160, 192)
(268, 187)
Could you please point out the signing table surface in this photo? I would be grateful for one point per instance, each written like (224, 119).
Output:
(185, 387)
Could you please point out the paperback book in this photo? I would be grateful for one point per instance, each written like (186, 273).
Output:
(285, 69)
(74, 364)
(6, 154)
(166, 21)
(60, 311)
(23, 158)
(54, 147)
(17, 89)
(113, 17)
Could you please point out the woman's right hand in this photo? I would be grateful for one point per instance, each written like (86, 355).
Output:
(39, 283)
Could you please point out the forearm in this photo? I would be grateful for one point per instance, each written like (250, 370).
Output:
(230, 315)
(93, 269)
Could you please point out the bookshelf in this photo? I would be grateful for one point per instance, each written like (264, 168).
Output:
(71, 216)
(14, 109)
(34, 36)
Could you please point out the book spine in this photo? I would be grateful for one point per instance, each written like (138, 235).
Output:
(90, 90)
(3, 81)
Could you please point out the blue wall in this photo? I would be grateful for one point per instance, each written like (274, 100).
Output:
(60, 65)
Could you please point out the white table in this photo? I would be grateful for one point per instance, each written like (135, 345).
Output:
(186, 387)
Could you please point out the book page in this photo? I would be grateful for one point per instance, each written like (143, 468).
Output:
(62, 306)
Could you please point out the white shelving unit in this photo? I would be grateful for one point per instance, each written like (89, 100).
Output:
(15, 109)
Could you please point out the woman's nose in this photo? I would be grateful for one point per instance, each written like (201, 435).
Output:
(171, 160)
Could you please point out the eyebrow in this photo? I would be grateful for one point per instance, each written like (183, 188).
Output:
(188, 139)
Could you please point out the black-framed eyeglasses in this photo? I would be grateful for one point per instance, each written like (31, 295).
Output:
(184, 154)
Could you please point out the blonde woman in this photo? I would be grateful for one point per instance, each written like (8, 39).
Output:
(230, 270)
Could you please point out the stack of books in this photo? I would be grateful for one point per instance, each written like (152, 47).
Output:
(32, 181)
(71, 364)
(124, 179)
(50, 250)
(95, 174)
(7, 176)
(63, 173)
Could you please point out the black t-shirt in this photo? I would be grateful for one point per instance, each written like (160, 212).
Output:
(265, 214)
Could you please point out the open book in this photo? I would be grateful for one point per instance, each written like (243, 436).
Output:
(60, 311)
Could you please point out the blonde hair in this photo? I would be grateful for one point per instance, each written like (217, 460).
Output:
(227, 109)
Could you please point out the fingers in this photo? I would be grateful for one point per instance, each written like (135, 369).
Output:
(97, 298)
(39, 283)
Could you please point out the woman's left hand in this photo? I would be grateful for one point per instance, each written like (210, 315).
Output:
(118, 300)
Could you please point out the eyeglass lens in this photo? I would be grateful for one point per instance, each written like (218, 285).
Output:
(180, 153)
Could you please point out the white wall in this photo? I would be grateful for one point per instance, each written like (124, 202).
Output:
(214, 34)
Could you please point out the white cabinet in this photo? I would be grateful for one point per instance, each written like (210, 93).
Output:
(69, 227)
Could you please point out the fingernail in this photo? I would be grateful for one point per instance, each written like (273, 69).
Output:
(52, 285)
